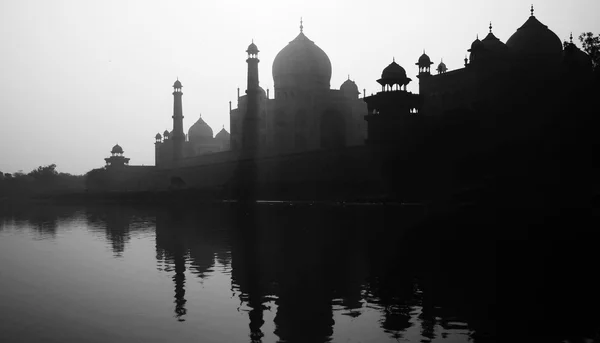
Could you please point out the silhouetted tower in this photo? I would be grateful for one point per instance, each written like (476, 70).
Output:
(389, 110)
(424, 64)
(116, 160)
(250, 124)
(177, 135)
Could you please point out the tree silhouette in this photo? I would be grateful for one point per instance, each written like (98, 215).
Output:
(591, 45)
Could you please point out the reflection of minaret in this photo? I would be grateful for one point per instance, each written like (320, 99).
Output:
(170, 248)
(179, 279)
(117, 230)
(177, 135)
(248, 266)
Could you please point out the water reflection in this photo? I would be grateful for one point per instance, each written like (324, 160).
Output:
(311, 274)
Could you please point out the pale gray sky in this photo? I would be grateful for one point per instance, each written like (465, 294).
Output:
(79, 76)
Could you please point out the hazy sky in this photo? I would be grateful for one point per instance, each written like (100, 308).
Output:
(80, 76)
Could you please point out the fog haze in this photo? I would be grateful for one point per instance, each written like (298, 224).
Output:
(80, 76)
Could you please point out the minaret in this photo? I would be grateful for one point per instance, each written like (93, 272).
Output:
(424, 65)
(250, 124)
(177, 135)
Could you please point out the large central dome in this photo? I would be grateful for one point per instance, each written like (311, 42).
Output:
(301, 65)
(534, 40)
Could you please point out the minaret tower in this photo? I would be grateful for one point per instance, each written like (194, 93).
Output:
(177, 136)
(250, 124)
(424, 65)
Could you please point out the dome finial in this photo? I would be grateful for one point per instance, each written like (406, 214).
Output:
(490, 27)
(348, 76)
(394, 59)
(532, 10)
(571, 37)
(301, 26)
(477, 36)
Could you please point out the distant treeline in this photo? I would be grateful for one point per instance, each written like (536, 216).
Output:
(44, 180)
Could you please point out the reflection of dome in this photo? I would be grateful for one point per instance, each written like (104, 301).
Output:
(117, 149)
(301, 64)
(222, 135)
(534, 39)
(349, 87)
(200, 130)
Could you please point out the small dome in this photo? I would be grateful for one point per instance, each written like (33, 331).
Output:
(302, 64)
(424, 60)
(493, 44)
(534, 39)
(166, 134)
(349, 87)
(573, 57)
(252, 49)
(117, 149)
(393, 71)
(200, 130)
(476, 45)
(158, 136)
(222, 135)
(177, 84)
(442, 67)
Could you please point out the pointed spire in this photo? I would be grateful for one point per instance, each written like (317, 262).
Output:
(490, 27)
(532, 10)
(301, 26)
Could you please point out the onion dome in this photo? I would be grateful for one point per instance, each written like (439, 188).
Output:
(177, 84)
(476, 45)
(349, 88)
(393, 71)
(493, 44)
(393, 74)
(424, 61)
(158, 136)
(200, 131)
(252, 49)
(442, 67)
(301, 64)
(535, 40)
(223, 135)
(166, 134)
(117, 149)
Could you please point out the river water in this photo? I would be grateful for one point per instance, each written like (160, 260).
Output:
(270, 273)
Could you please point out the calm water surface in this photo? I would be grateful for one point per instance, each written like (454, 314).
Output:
(221, 274)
